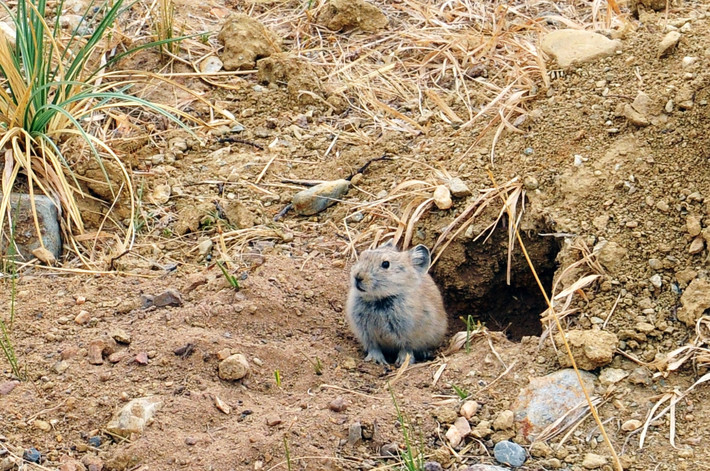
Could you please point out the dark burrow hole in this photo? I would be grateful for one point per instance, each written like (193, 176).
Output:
(472, 278)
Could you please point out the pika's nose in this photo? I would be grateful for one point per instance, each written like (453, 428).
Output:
(358, 282)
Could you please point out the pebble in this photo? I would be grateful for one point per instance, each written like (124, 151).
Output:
(234, 367)
(655, 264)
(190, 441)
(668, 42)
(468, 409)
(662, 206)
(7, 387)
(458, 188)
(442, 198)
(510, 453)
(32, 455)
(453, 435)
(169, 297)
(640, 375)
(121, 336)
(530, 183)
(95, 441)
(42, 425)
(211, 65)
(389, 449)
(133, 417)
(95, 352)
(142, 358)
(222, 406)
(82, 318)
(593, 461)
(432, 466)
(693, 226)
(354, 433)
(571, 46)
(696, 246)
(273, 420)
(612, 375)
(204, 247)
(631, 425)
(60, 367)
(504, 420)
(656, 281)
(317, 198)
(338, 404)
(161, 194)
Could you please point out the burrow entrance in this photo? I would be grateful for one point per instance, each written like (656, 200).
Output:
(472, 277)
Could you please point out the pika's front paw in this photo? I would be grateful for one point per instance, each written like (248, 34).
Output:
(376, 356)
(402, 357)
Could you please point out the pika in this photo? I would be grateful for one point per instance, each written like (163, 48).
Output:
(394, 307)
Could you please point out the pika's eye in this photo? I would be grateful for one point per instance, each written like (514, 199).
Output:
(385, 264)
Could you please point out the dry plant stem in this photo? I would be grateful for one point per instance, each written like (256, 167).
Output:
(617, 462)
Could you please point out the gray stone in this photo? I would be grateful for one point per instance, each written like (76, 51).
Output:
(510, 453)
(484, 467)
(169, 297)
(319, 197)
(458, 188)
(571, 46)
(548, 398)
(133, 417)
(25, 234)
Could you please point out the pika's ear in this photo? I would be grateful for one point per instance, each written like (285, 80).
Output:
(388, 245)
(421, 258)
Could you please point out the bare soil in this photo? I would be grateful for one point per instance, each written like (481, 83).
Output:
(288, 318)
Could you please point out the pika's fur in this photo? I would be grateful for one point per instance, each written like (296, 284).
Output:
(394, 307)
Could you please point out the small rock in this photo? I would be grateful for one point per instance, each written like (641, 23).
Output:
(463, 426)
(82, 318)
(468, 409)
(121, 336)
(662, 206)
(273, 420)
(631, 425)
(640, 375)
(591, 348)
(530, 183)
(695, 300)
(60, 367)
(354, 433)
(204, 247)
(458, 188)
(540, 450)
(483, 467)
(234, 367)
(593, 461)
(442, 197)
(319, 197)
(635, 117)
(142, 358)
(93, 462)
(116, 357)
(548, 398)
(389, 449)
(95, 441)
(222, 406)
(211, 65)
(95, 352)
(42, 425)
(7, 387)
(504, 420)
(571, 46)
(655, 264)
(190, 441)
(432, 466)
(169, 297)
(610, 254)
(696, 246)
(510, 453)
(346, 15)
(453, 435)
(32, 455)
(337, 404)
(223, 354)
(693, 226)
(445, 415)
(656, 281)
(133, 417)
(44, 256)
(161, 194)
(668, 42)
(245, 40)
(612, 375)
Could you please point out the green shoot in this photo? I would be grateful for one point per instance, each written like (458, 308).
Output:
(412, 458)
(317, 365)
(233, 281)
(471, 327)
(288, 454)
(460, 392)
(277, 376)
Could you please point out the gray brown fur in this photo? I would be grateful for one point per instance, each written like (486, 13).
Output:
(396, 309)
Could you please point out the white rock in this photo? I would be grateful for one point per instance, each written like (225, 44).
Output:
(211, 65)
(458, 188)
(161, 194)
(234, 367)
(468, 409)
(593, 461)
(134, 416)
(656, 281)
(463, 426)
(204, 247)
(572, 46)
(631, 425)
(612, 375)
(453, 435)
(688, 61)
(442, 197)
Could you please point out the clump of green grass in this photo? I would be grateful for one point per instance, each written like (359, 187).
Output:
(413, 454)
(460, 392)
(54, 95)
(165, 28)
(231, 279)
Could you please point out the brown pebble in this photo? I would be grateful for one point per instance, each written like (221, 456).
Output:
(190, 441)
(7, 387)
(69, 352)
(338, 404)
(116, 357)
(104, 376)
(96, 348)
(273, 420)
(142, 358)
(82, 318)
